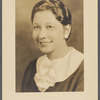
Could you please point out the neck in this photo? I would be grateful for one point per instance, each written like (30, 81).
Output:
(60, 52)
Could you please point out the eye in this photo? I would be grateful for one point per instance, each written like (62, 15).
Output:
(36, 27)
(50, 27)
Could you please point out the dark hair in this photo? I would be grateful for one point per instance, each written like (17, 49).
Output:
(62, 14)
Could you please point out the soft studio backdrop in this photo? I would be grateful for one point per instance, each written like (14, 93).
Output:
(25, 48)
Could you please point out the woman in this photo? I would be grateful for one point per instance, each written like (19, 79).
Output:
(61, 66)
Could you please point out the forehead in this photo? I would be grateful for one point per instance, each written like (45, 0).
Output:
(45, 16)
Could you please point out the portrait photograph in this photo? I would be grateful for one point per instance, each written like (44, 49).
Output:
(50, 50)
(49, 46)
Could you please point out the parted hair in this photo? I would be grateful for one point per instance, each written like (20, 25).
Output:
(57, 7)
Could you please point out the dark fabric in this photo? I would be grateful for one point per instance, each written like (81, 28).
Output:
(75, 82)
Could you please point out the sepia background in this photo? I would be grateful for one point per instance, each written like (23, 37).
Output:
(25, 48)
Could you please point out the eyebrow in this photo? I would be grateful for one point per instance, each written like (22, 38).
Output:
(35, 23)
(50, 23)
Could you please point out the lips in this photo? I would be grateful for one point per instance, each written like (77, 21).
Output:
(44, 43)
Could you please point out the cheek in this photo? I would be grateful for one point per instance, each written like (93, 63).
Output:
(61, 34)
(58, 34)
(34, 36)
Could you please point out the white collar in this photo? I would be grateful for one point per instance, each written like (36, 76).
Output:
(50, 72)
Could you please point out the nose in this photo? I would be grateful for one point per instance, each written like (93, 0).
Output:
(42, 33)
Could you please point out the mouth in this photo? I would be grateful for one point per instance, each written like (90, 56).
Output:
(44, 43)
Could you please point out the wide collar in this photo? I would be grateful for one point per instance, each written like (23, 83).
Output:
(49, 72)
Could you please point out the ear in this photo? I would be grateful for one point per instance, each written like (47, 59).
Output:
(67, 31)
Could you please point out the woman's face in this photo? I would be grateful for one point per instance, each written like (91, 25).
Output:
(48, 32)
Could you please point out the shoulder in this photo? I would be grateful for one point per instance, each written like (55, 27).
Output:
(31, 67)
(75, 82)
(79, 77)
(28, 74)
(80, 69)
(78, 73)
(32, 63)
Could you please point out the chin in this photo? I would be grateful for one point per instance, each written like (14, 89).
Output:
(45, 51)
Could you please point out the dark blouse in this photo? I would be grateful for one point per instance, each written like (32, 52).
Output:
(75, 82)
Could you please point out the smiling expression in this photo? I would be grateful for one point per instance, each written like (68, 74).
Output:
(48, 32)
